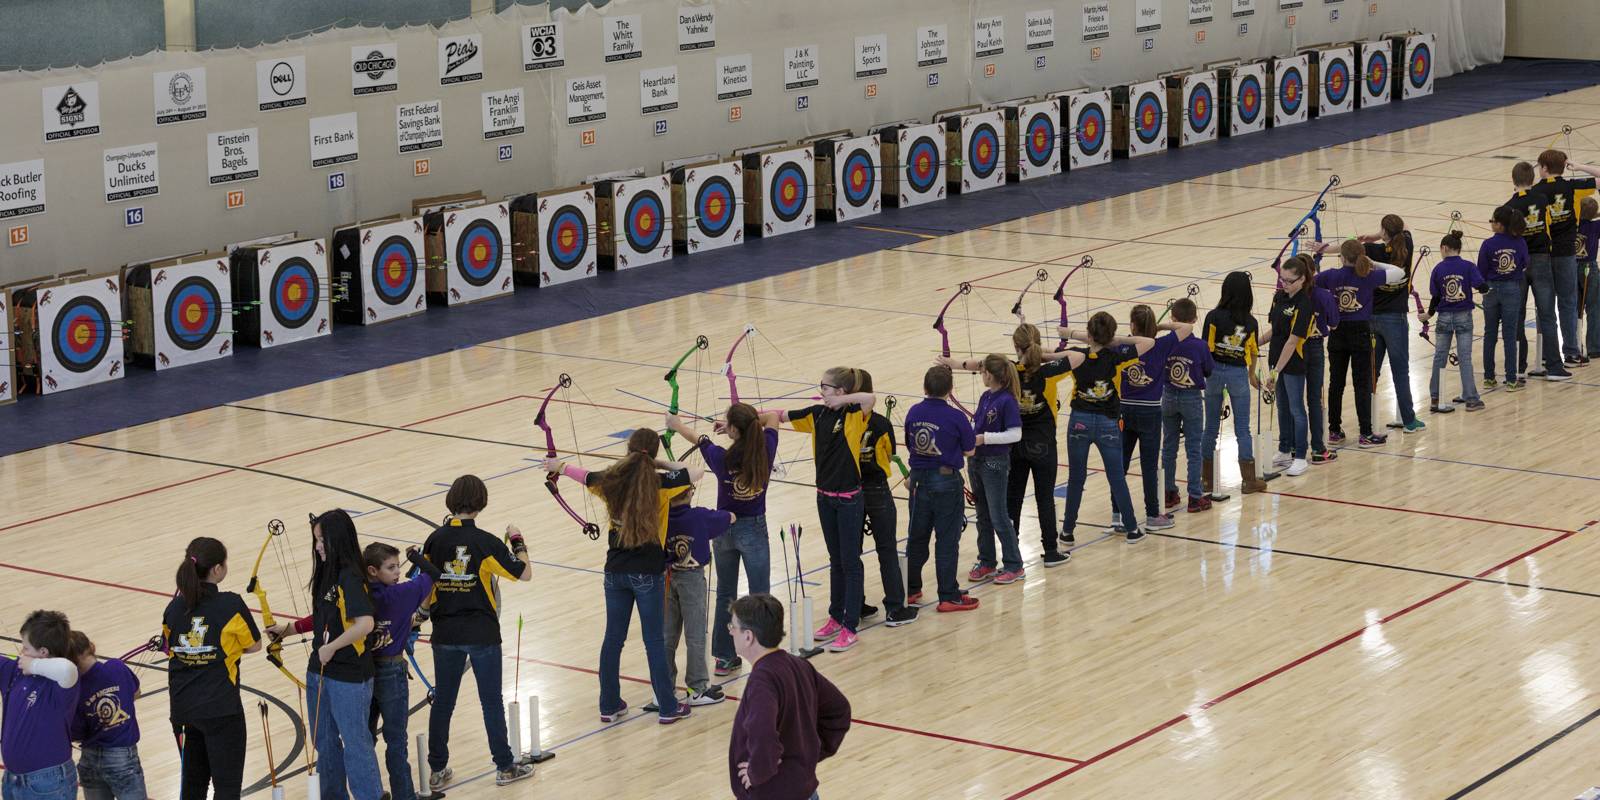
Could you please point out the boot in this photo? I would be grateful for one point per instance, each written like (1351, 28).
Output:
(1247, 475)
(1208, 472)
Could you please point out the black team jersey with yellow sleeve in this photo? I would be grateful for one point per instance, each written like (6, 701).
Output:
(836, 436)
(1233, 342)
(1535, 231)
(1562, 197)
(1391, 298)
(1040, 400)
(465, 607)
(1097, 382)
(204, 645)
(649, 559)
(877, 449)
(332, 613)
(1292, 315)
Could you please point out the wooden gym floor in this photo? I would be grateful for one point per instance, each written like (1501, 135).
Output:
(1402, 623)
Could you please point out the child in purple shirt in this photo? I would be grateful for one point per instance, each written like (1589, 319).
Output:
(1452, 283)
(1143, 386)
(1502, 261)
(106, 725)
(939, 438)
(690, 535)
(1188, 364)
(39, 688)
(997, 423)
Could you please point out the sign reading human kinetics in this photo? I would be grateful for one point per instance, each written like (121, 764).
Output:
(504, 114)
(543, 47)
(233, 156)
(334, 140)
(71, 110)
(419, 126)
(1040, 28)
(1147, 16)
(132, 172)
(933, 45)
(658, 89)
(697, 28)
(622, 37)
(461, 59)
(374, 68)
(872, 55)
(735, 77)
(180, 95)
(988, 36)
(22, 189)
(586, 99)
(802, 67)
(281, 83)
(1096, 21)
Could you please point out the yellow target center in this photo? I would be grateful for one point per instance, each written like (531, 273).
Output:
(1149, 117)
(788, 191)
(191, 314)
(480, 252)
(646, 222)
(922, 163)
(1039, 139)
(1091, 129)
(293, 292)
(714, 205)
(567, 238)
(395, 271)
(80, 334)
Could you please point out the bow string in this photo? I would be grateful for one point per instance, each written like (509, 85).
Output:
(701, 343)
(552, 480)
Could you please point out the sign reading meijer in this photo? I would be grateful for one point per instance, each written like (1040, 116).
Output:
(419, 126)
(697, 28)
(461, 59)
(658, 89)
(374, 68)
(233, 156)
(801, 67)
(503, 113)
(281, 83)
(622, 38)
(735, 77)
(543, 47)
(872, 55)
(933, 45)
(22, 189)
(132, 172)
(180, 95)
(334, 140)
(71, 111)
(586, 99)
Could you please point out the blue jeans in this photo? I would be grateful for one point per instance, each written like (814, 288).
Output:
(624, 591)
(989, 477)
(1182, 414)
(391, 702)
(345, 753)
(1141, 426)
(59, 782)
(1541, 274)
(1084, 430)
(936, 513)
(1589, 280)
(1291, 403)
(1502, 316)
(746, 540)
(842, 519)
(1390, 332)
(1564, 276)
(1236, 380)
(1315, 422)
(449, 667)
(1455, 325)
(111, 772)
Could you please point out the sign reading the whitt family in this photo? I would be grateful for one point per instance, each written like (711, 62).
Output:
(419, 126)
(988, 36)
(180, 95)
(503, 114)
(281, 83)
(461, 59)
(1147, 16)
(735, 77)
(1201, 12)
(801, 67)
(933, 45)
(22, 189)
(1244, 8)
(658, 89)
(872, 55)
(71, 110)
(334, 140)
(622, 38)
(374, 68)
(586, 99)
(543, 47)
(132, 172)
(1041, 29)
(1096, 21)
(233, 156)
(697, 28)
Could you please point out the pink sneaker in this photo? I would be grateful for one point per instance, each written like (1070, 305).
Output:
(828, 631)
(1004, 578)
(979, 572)
(844, 641)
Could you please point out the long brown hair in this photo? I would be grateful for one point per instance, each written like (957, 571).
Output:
(1395, 228)
(632, 491)
(749, 453)
(1030, 351)
(1142, 321)
(1004, 373)
(847, 379)
(199, 557)
(1354, 255)
(1300, 267)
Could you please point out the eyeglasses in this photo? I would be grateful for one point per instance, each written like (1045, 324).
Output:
(829, 386)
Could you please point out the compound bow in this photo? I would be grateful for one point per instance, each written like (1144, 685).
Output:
(727, 363)
(1038, 277)
(590, 529)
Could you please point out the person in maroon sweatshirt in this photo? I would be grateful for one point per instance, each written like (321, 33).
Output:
(790, 716)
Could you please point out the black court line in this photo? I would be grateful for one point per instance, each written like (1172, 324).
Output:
(1526, 754)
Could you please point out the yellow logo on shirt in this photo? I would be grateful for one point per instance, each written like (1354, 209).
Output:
(1137, 377)
(1534, 221)
(1505, 262)
(456, 569)
(1099, 391)
(1453, 292)
(193, 641)
(1558, 209)
(1349, 300)
(1233, 343)
(107, 707)
(1178, 374)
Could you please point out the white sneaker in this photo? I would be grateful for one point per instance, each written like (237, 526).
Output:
(1297, 467)
(1282, 460)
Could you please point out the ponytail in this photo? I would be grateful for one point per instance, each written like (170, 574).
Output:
(752, 463)
(1451, 240)
(1395, 228)
(1004, 373)
(1030, 353)
(199, 558)
(1510, 220)
(1142, 321)
(632, 491)
(1354, 255)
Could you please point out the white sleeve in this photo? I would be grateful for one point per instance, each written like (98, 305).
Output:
(1009, 436)
(60, 670)
(1391, 273)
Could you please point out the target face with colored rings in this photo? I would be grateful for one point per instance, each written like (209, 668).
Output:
(1337, 81)
(860, 178)
(294, 293)
(478, 252)
(1091, 126)
(1421, 66)
(983, 151)
(1377, 73)
(642, 222)
(922, 165)
(81, 334)
(1201, 104)
(567, 238)
(1041, 139)
(193, 314)
(1291, 91)
(714, 206)
(394, 270)
(1147, 118)
(789, 191)
(1249, 99)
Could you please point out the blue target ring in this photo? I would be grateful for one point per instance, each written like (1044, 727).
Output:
(983, 151)
(860, 178)
(193, 313)
(1336, 83)
(394, 270)
(567, 238)
(294, 293)
(479, 250)
(1377, 73)
(1249, 99)
(1291, 91)
(922, 165)
(714, 205)
(1202, 105)
(789, 191)
(1421, 66)
(1091, 125)
(1040, 139)
(1147, 118)
(81, 334)
(644, 222)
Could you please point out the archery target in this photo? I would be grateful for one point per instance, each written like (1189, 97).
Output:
(787, 177)
(922, 170)
(1289, 75)
(1337, 95)
(80, 341)
(1374, 73)
(1200, 108)
(393, 287)
(1249, 101)
(643, 221)
(567, 249)
(477, 253)
(1419, 67)
(855, 178)
(1039, 132)
(190, 313)
(983, 143)
(293, 281)
(1147, 118)
(394, 270)
(714, 207)
(712, 194)
(1090, 142)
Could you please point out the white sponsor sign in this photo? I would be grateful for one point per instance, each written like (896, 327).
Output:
(132, 172)
(802, 67)
(586, 99)
(1147, 16)
(233, 156)
(21, 189)
(933, 45)
(1041, 29)
(622, 38)
(419, 126)
(334, 140)
(1096, 20)
(872, 55)
(1201, 12)
(1285, 5)
(988, 36)
(658, 89)
(180, 95)
(461, 59)
(1244, 8)
(697, 28)
(281, 83)
(71, 110)
(374, 68)
(543, 47)
(504, 113)
(735, 77)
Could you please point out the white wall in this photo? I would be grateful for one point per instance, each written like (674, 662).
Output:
(1553, 29)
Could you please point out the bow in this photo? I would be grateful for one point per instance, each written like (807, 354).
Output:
(590, 529)
(700, 343)
(1061, 299)
(1312, 218)
(255, 587)
(1191, 292)
(727, 363)
(944, 334)
(1038, 277)
(411, 645)
(889, 404)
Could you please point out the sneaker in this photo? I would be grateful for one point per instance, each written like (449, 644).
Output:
(1135, 535)
(1335, 436)
(1160, 523)
(979, 572)
(1474, 405)
(1570, 361)
(650, 707)
(1008, 577)
(1582, 361)
(1323, 456)
(611, 716)
(868, 611)
(1435, 408)
(668, 719)
(441, 779)
(1490, 383)
(915, 598)
(1394, 423)
(1174, 499)
(966, 603)
(1563, 375)
(1533, 373)
(827, 631)
(709, 696)
(901, 616)
(516, 773)
(1414, 426)
(1055, 558)
(1373, 440)
(844, 641)
(1297, 467)
(1068, 539)
(727, 666)
(1199, 504)
(1516, 387)
(1282, 460)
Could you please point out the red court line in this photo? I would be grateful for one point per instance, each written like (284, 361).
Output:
(1424, 513)
(112, 500)
(64, 576)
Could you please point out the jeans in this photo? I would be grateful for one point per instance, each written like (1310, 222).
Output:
(1291, 402)
(879, 508)
(1502, 316)
(449, 667)
(990, 475)
(345, 753)
(1564, 275)
(1086, 429)
(1315, 420)
(1390, 332)
(1350, 348)
(1589, 285)
(1541, 274)
(391, 703)
(842, 518)
(1182, 414)
(936, 512)
(747, 540)
(59, 782)
(111, 773)
(686, 619)
(1236, 381)
(213, 756)
(1455, 325)
(1141, 425)
(624, 591)
(1036, 459)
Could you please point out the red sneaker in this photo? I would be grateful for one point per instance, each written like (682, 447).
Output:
(979, 572)
(1174, 499)
(1199, 504)
(914, 598)
(966, 603)
(1004, 578)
